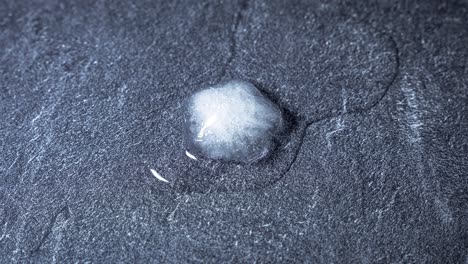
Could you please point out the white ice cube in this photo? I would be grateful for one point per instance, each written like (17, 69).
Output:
(233, 121)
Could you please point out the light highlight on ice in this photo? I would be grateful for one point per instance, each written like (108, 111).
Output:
(159, 177)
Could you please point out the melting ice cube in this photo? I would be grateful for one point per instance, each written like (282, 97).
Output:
(232, 121)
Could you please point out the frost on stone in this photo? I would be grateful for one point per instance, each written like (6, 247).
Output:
(233, 121)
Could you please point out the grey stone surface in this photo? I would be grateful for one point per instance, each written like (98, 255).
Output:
(376, 94)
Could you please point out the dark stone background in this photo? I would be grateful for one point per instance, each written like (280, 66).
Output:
(376, 170)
